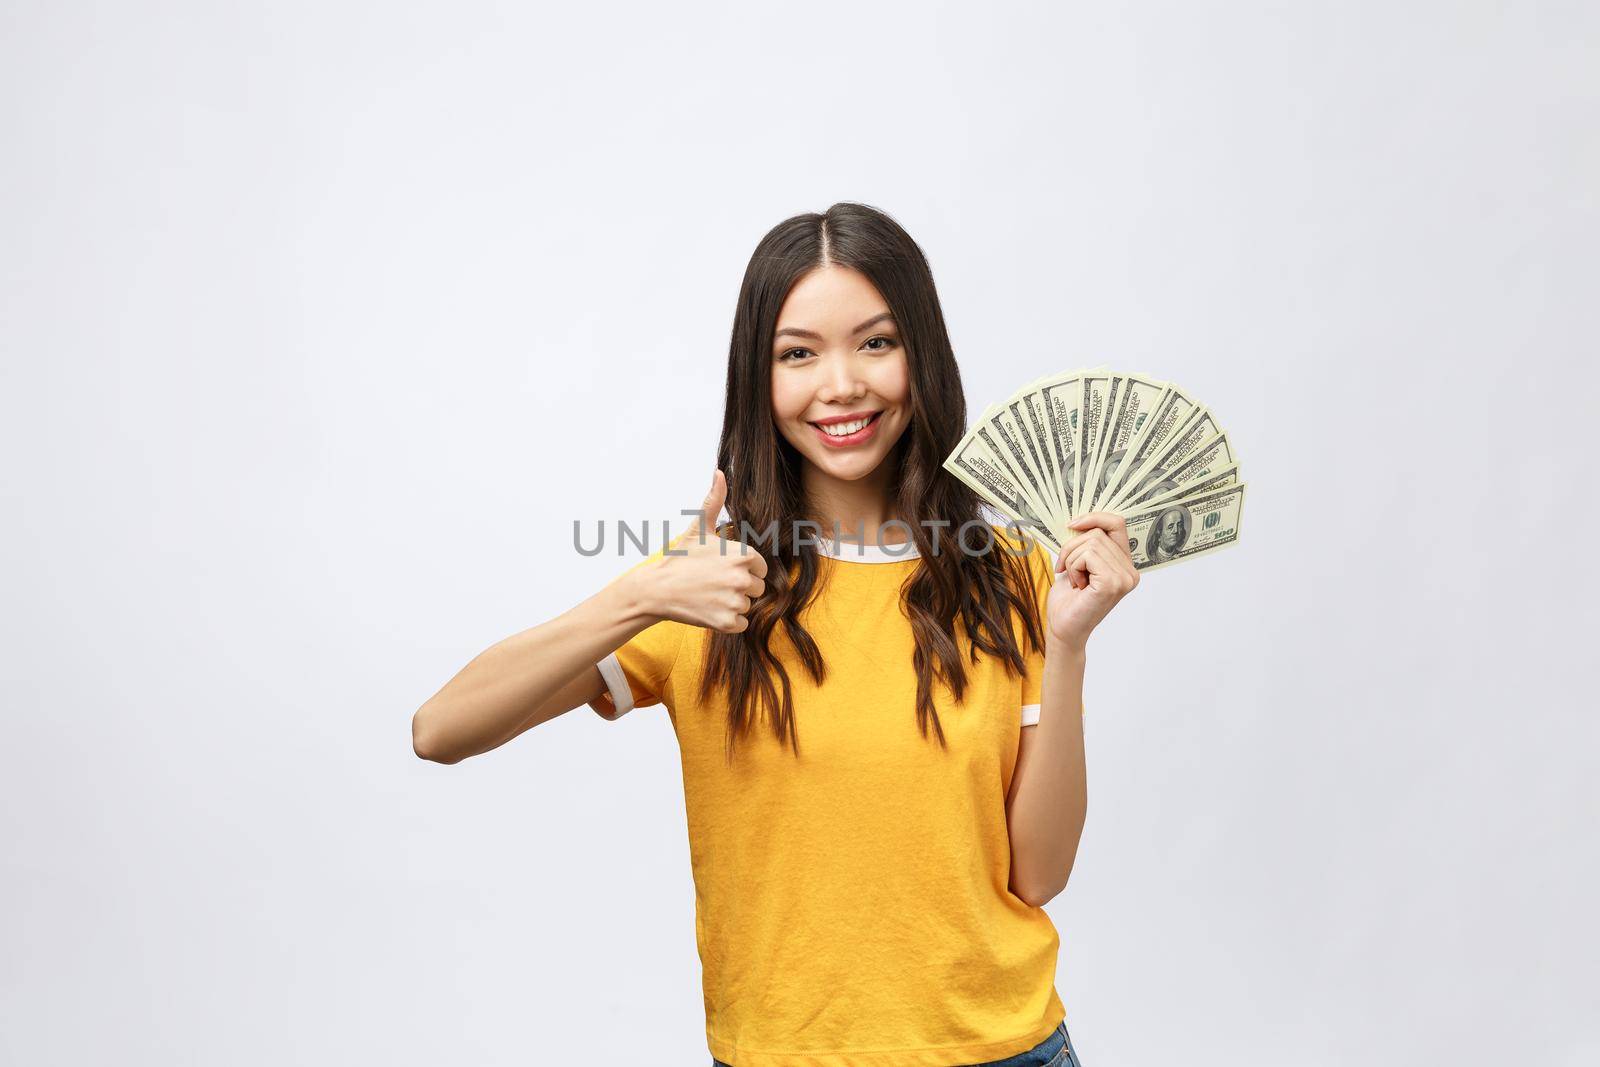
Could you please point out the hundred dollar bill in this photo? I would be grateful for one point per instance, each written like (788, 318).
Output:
(1028, 408)
(1172, 411)
(1185, 527)
(1003, 438)
(1205, 462)
(1200, 429)
(1009, 423)
(981, 471)
(1130, 410)
(1227, 477)
(1061, 397)
(1092, 410)
(1103, 440)
(1101, 430)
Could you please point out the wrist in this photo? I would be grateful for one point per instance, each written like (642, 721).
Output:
(1057, 647)
(633, 599)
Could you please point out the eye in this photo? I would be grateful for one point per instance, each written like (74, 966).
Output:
(888, 343)
(796, 353)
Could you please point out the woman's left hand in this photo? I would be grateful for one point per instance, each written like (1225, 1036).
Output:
(1099, 572)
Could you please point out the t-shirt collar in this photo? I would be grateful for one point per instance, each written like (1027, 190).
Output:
(865, 552)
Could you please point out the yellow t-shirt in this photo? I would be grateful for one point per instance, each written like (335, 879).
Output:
(852, 904)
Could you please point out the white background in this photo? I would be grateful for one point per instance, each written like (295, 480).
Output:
(322, 323)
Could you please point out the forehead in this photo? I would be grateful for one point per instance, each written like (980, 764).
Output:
(831, 300)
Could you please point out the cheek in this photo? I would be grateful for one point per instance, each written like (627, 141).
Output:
(789, 397)
(892, 379)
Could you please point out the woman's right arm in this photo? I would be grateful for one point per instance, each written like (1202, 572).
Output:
(530, 677)
(533, 676)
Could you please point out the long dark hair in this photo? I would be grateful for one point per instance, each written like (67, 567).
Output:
(950, 592)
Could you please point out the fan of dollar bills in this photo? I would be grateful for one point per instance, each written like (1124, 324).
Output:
(1100, 440)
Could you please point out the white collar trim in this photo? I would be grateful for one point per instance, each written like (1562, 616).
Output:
(865, 552)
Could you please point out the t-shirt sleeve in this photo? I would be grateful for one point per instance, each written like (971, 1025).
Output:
(637, 674)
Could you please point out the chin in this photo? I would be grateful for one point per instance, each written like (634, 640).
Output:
(847, 470)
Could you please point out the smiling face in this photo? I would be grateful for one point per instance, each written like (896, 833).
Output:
(841, 388)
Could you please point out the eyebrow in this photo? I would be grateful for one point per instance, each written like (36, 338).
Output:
(798, 332)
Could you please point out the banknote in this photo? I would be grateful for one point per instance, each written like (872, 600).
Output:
(1095, 387)
(1130, 410)
(976, 466)
(1227, 477)
(1009, 430)
(1185, 527)
(1028, 409)
(1199, 428)
(1096, 439)
(1202, 466)
(1062, 396)
(1003, 440)
(1172, 410)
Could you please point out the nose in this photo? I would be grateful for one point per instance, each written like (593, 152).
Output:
(842, 380)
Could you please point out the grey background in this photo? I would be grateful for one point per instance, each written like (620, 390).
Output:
(323, 322)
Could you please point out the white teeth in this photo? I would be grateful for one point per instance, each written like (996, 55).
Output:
(844, 429)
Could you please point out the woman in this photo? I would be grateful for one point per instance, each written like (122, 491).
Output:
(882, 741)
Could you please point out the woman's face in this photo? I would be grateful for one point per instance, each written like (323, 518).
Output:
(838, 364)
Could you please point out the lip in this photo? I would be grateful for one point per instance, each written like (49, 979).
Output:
(831, 419)
(866, 432)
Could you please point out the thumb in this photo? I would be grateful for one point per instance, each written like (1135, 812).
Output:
(710, 507)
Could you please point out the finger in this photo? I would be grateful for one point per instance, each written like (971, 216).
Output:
(1116, 530)
(1107, 521)
(755, 587)
(1078, 548)
(1115, 544)
(1074, 551)
(1098, 560)
(1111, 569)
(1109, 562)
(1085, 573)
(710, 507)
(1094, 534)
(1079, 570)
(756, 562)
(1076, 545)
(1061, 573)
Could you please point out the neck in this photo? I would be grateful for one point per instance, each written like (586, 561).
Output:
(860, 507)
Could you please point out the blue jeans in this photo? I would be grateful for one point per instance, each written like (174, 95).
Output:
(1054, 1051)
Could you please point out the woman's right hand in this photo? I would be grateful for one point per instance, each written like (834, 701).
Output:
(703, 579)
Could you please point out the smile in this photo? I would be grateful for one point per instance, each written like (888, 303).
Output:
(852, 431)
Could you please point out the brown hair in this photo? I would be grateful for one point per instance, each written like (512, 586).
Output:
(949, 591)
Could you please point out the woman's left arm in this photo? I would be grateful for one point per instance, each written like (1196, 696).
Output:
(1049, 791)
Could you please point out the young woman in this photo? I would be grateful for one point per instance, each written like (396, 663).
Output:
(882, 740)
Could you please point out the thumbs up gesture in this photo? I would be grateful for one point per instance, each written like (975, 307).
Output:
(705, 580)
